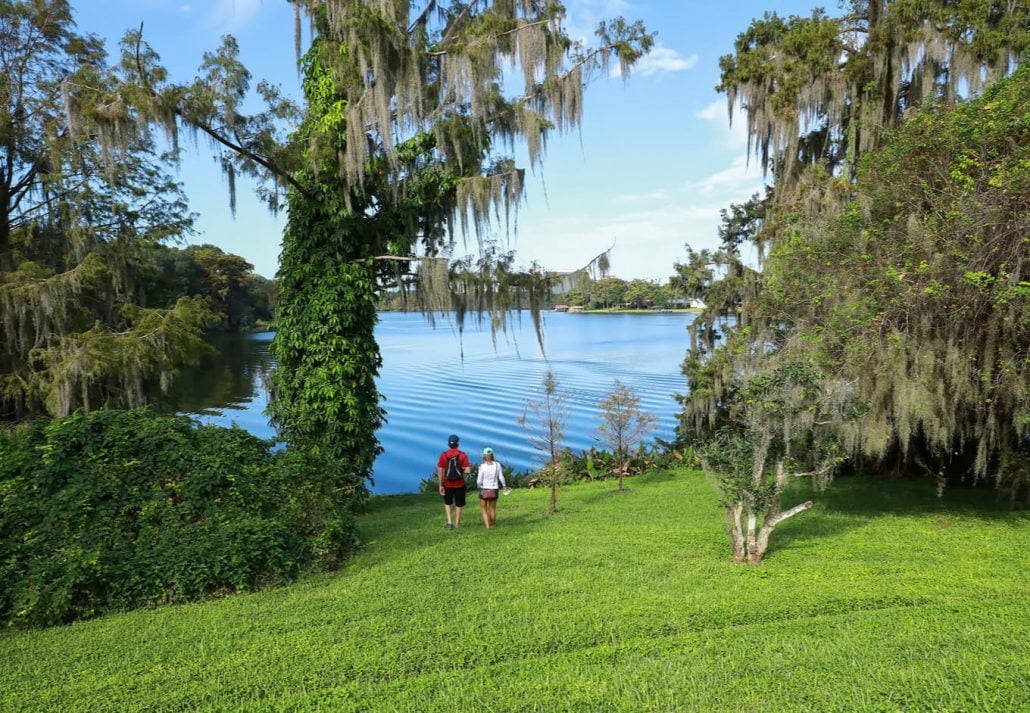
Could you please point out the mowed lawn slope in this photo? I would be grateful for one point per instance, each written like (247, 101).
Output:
(882, 597)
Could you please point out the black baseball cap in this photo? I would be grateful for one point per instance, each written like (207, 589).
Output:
(452, 440)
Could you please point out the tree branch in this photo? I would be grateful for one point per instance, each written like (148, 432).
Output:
(519, 28)
(215, 135)
(788, 513)
(816, 473)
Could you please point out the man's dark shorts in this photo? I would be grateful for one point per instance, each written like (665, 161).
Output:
(454, 496)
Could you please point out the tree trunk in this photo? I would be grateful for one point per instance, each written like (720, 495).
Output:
(737, 531)
(554, 467)
(325, 400)
(752, 527)
(6, 259)
(554, 489)
(771, 521)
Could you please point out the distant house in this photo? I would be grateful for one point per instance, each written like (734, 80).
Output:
(576, 308)
(565, 281)
(693, 302)
(561, 308)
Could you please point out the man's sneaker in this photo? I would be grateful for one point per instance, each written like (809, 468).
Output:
(448, 526)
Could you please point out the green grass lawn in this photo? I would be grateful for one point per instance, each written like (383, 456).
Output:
(881, 598)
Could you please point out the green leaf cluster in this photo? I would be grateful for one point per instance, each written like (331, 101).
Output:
(85, 203)
(894, 238)
(120, 509)
(917, 290)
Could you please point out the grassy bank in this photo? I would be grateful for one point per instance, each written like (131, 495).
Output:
(880, 598)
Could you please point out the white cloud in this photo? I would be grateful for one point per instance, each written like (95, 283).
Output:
(732, 136)
(229, 14)
(647, 242)
(649, 228)
(735, 183)
(713, 112)
(664, 59)
(642, 197)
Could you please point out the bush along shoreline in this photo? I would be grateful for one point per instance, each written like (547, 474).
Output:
(588, 465)
(116, 510)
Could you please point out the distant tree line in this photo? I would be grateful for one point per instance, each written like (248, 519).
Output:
(613, 292)
(240, 297)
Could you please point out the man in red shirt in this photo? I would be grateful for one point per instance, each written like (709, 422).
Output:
(451, 469)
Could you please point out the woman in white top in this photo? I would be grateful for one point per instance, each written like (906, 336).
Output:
(489, 480)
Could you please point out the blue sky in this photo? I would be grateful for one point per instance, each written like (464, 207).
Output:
(649, 169)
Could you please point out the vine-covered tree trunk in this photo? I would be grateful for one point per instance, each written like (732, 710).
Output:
(325, 396)
(401, 141)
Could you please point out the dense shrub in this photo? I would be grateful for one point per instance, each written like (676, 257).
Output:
(597, 464)
(120, 509)
(593, 464)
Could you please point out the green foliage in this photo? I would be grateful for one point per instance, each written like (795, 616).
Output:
(241, 298)
(597, 464)
(893, 236)
(731, 457)
(823, 90)
(545, 420)
(693, 278)
(83, 206)
(900, 602)
(623, 423)
(119, 509)
(325, 399)
(916, 291)
(613, 292)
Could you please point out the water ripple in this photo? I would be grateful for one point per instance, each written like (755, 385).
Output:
(431, 391)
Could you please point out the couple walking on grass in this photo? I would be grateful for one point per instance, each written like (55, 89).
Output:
(451, 469)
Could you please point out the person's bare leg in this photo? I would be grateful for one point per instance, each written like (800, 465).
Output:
(447, 509)
(492, 507)
(457, 516)
(485, 509)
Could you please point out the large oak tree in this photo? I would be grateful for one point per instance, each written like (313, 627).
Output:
(895, 234)
(411, 111)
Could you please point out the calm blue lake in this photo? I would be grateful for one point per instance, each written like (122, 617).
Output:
(436, 382)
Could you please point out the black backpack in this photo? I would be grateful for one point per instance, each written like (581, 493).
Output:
(454, 469)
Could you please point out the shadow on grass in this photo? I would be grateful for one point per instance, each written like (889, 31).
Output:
(868, 497)
(854, 501)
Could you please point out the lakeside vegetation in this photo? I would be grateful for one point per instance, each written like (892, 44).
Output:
(888, 330)
(882, 598)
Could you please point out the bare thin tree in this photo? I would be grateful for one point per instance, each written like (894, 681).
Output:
(544, 421)
(623, 423)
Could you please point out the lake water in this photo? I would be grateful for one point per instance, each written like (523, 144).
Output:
(436, 383)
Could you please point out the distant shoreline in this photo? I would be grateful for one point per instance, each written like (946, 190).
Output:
(550, 310)
(671, 310)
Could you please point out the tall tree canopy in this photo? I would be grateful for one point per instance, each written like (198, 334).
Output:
(823, 89)
(896, 231)
(76, 222)
(410, 111)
